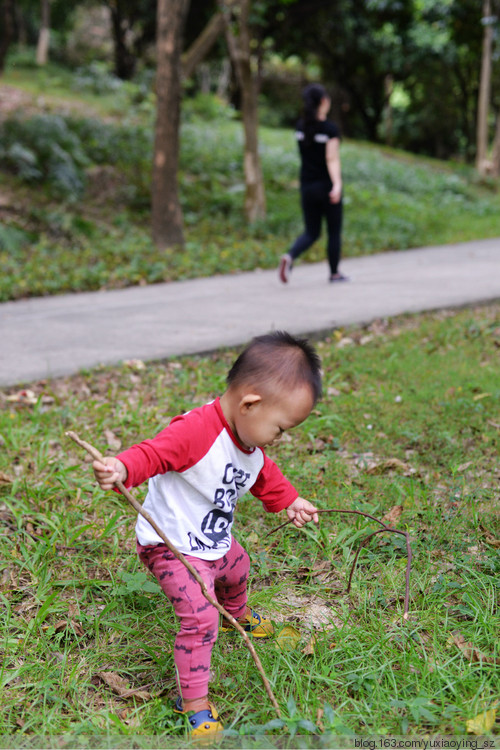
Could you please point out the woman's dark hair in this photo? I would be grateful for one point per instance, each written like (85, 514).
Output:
(311, 96)
(278, 358)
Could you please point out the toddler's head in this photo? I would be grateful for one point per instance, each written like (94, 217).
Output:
(272, 386)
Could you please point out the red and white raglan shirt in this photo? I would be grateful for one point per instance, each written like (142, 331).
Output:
(197, 471)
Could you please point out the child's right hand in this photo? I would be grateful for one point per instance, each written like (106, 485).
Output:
(109, 471)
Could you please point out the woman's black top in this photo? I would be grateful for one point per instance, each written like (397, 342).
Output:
(313, 155)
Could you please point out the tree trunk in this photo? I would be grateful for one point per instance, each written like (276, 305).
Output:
(202, 45)
(484, 92)
(124, 60)
(238, 40)
(495, 158)
(6, 30)
(42, 50)
(388, 113)
(167, 221)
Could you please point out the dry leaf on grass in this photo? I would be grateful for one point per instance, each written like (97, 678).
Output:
(5, 478)
(309, 647)
(288, 638)
(489, 538)
(120, 686)
(389, 464)
(113, 442)
(470, 651)
(393, 515)
(71, 625)
(481, 723)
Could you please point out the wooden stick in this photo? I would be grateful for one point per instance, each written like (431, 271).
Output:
(138, 507)
(365, 542)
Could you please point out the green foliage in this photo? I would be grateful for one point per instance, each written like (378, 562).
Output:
(96, 78)
(43, 149)
(76, 603)
(206, 107)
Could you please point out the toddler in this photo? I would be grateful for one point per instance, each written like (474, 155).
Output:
(198, 467)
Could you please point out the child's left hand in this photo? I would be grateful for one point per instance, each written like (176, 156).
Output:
(301, 511)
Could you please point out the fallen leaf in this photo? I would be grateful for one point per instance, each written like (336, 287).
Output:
(481, 723)
(113, 442)
(393, 515)
(120, 686)
(5, 479)
(135, 364)
(464, 466)
(346, 341)
(253, 538)
(390, 464)
(288, 638)
(309, 647)
(480, 396)
(319, 716)
(333, 391)
(470, 651)
(71, 625)
(489, 538)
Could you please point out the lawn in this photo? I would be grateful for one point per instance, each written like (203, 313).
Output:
(409, 426)
(75, 175)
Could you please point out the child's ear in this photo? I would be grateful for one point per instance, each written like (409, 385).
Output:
(248, 401)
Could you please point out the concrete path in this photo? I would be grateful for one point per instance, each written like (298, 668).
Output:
(52, 336)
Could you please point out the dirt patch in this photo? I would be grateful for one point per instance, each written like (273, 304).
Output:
(12, 100)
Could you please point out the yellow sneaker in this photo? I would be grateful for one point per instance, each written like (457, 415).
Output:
(201, 723)
(259, 627)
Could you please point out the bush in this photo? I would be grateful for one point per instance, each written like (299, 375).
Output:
(43, 149)
(206, 107)
(56, 151)
(96, 79)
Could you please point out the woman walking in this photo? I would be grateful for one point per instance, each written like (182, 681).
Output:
(320, 182)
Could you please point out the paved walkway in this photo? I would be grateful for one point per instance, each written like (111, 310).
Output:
(52, 336)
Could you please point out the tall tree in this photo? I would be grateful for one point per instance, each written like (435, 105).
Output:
(133, 28)
(42, 49)
(484, 90)
(6, 29)
(238, 36)
(167, 219)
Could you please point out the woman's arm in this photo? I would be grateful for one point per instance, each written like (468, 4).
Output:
(334, 168)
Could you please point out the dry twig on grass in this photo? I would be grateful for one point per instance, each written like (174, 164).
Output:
(138, 507)
(365, 541)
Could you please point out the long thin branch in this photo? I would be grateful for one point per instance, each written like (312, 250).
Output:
(365, 542)
(138, 507)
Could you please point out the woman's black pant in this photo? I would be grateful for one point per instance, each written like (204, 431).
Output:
(316, 205)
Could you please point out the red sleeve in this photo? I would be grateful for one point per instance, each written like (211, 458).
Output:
(272, 488)
(182, 444)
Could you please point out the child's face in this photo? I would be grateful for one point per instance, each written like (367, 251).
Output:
(262, 420)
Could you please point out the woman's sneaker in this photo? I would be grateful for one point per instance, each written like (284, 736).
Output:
(259, 627)
(285, 268)
(201, 723)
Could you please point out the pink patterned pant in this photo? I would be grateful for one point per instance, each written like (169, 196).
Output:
(226, 580)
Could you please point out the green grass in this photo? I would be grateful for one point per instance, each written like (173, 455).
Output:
(410, 418)
(394, 200)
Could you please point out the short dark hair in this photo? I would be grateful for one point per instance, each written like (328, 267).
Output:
(281, 358)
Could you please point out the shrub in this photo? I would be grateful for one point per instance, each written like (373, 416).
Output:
(43, 149)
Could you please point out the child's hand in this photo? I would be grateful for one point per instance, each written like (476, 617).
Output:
(301, 511)
(109, 471)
